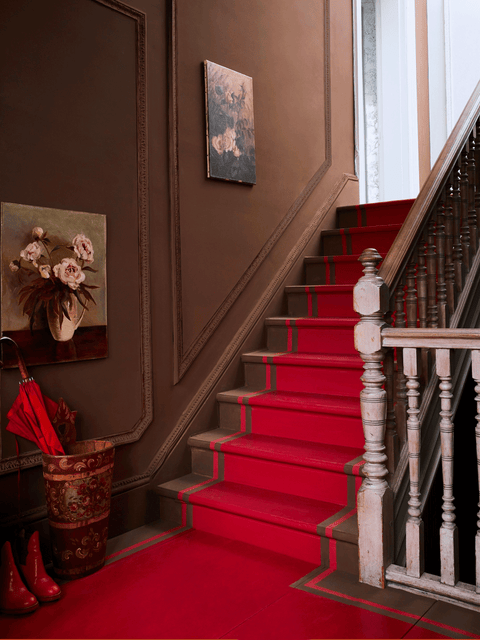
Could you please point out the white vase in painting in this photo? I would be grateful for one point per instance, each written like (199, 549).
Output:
(62, 330)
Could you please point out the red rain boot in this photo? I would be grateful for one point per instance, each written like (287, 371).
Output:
(37, 579)
(14, 596)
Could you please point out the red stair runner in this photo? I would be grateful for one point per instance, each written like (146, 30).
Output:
(283, 468)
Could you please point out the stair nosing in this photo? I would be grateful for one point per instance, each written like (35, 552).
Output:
(349, 257)
(232, 395)
(359, 230)
(332, 288)
(329, 321)
(266, 516)
(299, 359)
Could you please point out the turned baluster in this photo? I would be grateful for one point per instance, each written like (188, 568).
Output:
(449, 265)
(400, 303)
(477, 173)
(422, 304)
(391, 438)
(457, 238)
(414, 529)
(448, 530)
(472, 212)
(401, 389)
(375, 498)
(432, 312)
(422, 283)
(411, 299)
(476, 377)
(465, 230)
(441, 284)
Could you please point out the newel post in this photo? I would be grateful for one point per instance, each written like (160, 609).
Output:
(375, 499)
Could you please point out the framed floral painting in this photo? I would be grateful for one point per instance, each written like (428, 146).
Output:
(230, 124)
(53, 284)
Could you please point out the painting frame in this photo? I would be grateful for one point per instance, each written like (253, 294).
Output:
(53, 281)
(230, 126)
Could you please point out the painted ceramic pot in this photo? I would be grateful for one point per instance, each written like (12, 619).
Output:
(78, 489)
(62, 328)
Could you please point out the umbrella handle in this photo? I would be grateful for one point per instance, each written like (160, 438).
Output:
(21, 361)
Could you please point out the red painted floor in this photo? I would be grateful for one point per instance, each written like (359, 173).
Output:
(198, 585)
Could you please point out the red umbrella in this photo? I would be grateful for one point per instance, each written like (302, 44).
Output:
(32, 413)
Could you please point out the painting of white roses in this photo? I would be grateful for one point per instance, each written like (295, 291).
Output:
(53, 284)
(230, 125)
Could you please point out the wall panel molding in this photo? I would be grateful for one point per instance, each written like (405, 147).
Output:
(32, 459)
(183, 359)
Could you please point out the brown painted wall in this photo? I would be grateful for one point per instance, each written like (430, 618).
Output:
(219, 253)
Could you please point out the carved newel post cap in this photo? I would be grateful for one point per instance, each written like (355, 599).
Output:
(370, 258)
(370, 294)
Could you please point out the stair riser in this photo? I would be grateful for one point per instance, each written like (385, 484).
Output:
(333, 273)
(287, 478)
(363, 216)
(347, 557)
(202, 461)
(290, 542)
(301, 425)
(323, 304)
(326, 340)
(311, 339)
(170, 509)
(338, 244)
(303, 379)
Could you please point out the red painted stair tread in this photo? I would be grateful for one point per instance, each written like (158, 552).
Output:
(325, 322)
(310, 454)
(306, 359)
(312, 322)
(351, 257)
(308, 402)
(270, 506)
(371, 229)
(326, 288)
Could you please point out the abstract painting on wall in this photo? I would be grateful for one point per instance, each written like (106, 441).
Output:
(230, 124)
(53, 281)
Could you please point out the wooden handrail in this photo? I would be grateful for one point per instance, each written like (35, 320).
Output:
(398, 254)
(431, 338)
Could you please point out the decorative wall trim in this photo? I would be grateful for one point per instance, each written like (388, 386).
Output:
(8, 465)
(182, 359)
(174, 170)
(235, 345)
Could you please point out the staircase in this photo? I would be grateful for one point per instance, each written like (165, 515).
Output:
(282, 469)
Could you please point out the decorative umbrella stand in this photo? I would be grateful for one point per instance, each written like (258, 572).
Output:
(77, 475)
(78, 488)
